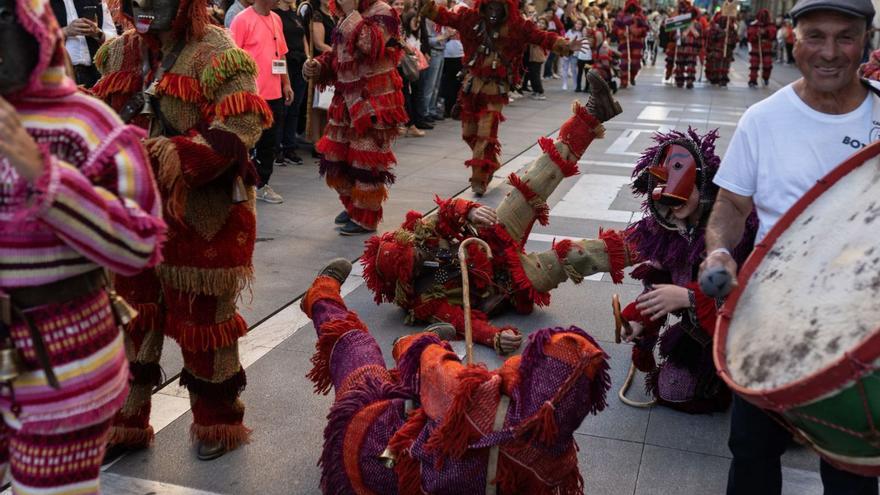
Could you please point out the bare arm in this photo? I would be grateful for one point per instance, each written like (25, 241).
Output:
(318, 37)
(725, 229)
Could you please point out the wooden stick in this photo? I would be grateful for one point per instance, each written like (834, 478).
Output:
(466, 293)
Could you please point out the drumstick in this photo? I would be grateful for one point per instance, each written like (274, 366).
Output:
(716, 282)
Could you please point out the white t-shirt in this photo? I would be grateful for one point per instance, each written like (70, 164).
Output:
(781, 147)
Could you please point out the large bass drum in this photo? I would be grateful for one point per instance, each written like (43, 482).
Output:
(801, 337)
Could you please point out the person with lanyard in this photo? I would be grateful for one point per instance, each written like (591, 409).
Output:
(767, 168)
(252, 31)
(86, 24)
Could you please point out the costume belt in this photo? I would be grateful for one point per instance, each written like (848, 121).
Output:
(13, 306)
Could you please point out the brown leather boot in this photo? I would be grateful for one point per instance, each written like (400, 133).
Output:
(601, 104)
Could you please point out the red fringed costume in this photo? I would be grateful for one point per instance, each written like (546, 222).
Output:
(631, 27)
(417, 267)
(434, 425)
(366, 110)
(492, 58)
(684, 46)
(212, 116)
(761, 34)
(721, 42)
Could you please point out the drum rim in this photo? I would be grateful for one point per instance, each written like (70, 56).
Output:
(847, 368)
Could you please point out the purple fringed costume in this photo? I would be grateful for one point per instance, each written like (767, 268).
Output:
(436, 426)
(670, 252)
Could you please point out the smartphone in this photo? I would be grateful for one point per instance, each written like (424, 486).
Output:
(90, 12)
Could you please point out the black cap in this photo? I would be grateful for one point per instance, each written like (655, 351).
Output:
(855, 8)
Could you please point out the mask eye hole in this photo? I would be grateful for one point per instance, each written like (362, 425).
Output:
(677, 166)
(7, 16)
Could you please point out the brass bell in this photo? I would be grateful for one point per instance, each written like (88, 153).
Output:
(122, 311)
(10, 363)
(388, 458)
(239, 191)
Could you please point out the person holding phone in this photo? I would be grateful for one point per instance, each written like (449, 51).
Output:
(86, 25)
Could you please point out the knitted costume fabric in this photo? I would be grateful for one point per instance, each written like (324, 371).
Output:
(562, 366)
(208, 98)
(365, 112)
(59, 464)
(721, 32)
(631, 29)
(761, 35)
(489, 76)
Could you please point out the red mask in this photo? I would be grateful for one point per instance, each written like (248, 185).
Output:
(676, 174)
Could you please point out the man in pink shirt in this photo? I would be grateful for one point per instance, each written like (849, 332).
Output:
(258, 31)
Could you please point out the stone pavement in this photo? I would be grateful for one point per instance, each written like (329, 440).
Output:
(623, 450)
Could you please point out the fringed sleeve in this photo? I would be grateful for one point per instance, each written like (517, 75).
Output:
(110, 210)
(445, 17)
(545, 39)
(483, 331)
(452, 216)
(704, 311)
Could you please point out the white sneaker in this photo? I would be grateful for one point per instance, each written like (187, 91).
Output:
(266, 194)
(539, 97)
(565, 87)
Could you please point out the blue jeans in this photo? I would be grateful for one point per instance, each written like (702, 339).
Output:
(286, 139)
(757, 442)
(429, 83)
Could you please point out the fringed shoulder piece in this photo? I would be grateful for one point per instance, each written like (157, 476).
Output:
(223, 67)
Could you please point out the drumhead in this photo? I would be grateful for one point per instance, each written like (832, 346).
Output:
(815, 294)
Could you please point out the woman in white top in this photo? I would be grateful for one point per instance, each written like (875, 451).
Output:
(569, 63)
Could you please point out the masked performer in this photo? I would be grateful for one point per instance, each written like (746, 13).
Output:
(203, 115)
(474, 430)
(761, 33)
(684, 47)
(721, 42)
(675, 177)
(631, 27)
(416, 266)
(76, 197)
(495, 37)
(366, 110)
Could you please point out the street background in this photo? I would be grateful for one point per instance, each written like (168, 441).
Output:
(623, 450)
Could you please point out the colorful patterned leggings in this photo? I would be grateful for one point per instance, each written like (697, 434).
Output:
(62, 464)
(480, 118)
(766, 66)
(212, 372)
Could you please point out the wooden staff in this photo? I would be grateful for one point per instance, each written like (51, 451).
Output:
(466, 293)
(620, 323)
(305, 11)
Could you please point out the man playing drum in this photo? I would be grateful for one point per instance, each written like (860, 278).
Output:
(768, 168)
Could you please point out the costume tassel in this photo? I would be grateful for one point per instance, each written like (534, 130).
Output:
(453, 436)
(329, 333)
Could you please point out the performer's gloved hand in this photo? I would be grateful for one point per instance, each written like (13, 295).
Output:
(17, 145)
(662, 300)
(507, 341)
(311, 69)
(631, 332)
(483, 216)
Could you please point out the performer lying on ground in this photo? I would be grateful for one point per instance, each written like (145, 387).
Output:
(434, 425)
(416, 266)
(76, 198)
(675, 177)
(203, 115)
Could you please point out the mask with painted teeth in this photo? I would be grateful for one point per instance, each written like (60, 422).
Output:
(19, 51)
(153, 16)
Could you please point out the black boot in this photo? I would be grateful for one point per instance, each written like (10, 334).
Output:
(600, 103)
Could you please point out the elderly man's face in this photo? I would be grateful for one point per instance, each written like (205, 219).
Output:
(828, 49)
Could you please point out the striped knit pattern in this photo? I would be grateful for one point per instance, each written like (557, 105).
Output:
(95, 205)
(86, 352)
(65, 464)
